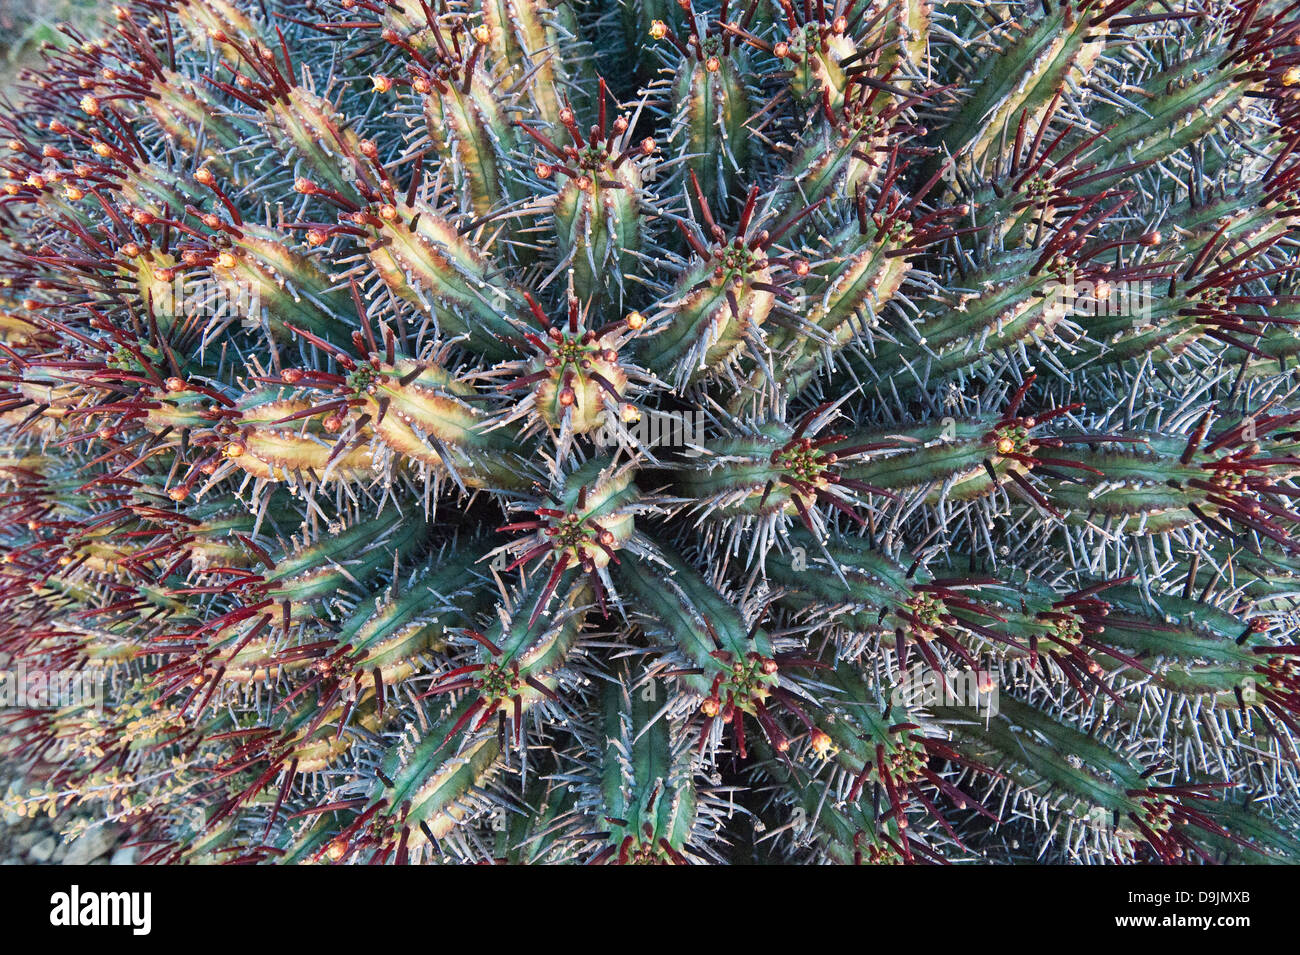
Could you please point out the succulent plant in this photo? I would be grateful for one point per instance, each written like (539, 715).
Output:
(674, 432)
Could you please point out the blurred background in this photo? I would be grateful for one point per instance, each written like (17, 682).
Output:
(25, 25)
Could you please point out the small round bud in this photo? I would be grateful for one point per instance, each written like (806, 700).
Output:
(175, 384)
(658, 30)
(782, 50)
(713, 64)
(90, 106)
(305, 186)
(291, 376)
(482, 34)
(333, 424)
(382, 84)
(544, 170)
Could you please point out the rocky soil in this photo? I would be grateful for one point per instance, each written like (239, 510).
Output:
(35, 841)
